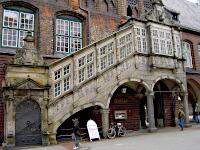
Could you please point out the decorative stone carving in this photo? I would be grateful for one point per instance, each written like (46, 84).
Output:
(28, 55)
(157, 13)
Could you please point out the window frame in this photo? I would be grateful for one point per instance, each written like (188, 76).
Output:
(188, 54)
(141, 39)
(86, 67)
(107, 58)
(19, 10)
(71, 39)
(60, 75)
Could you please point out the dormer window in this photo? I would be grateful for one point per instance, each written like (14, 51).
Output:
(15, 25)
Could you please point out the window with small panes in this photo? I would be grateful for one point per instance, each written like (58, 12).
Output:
(69, 38)
(15, 25)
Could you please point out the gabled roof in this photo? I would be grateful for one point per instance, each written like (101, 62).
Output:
(189, 12)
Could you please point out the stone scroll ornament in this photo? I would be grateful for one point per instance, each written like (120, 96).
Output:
(28, 54)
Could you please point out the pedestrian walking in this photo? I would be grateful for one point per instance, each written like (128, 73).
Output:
(76, 133)
(197, 117)
(181, 118)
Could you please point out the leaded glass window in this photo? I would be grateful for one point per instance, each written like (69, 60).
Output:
(141, 40)
(187, 53)
(106, 56)
(85, 67)
(162, 41)
(62, 79)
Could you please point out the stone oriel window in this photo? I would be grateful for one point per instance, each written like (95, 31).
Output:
(178, 46)
(85, 67)
(69, 36)
(125, 45)
(187, 52)
(162, 41)
(141, 40)
(16, 22)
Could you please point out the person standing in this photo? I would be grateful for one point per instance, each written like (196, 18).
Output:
(197, 113)
(76, 133)
(181, 118)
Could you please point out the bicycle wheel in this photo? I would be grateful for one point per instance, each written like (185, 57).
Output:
(111, 133)
(122, 131)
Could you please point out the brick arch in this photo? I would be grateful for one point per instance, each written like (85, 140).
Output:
(123, 82)
(20, 4)
(178, 81)
(195, 85)
(67, 115)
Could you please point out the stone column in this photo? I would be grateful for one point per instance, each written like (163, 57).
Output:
(105, 121)
(186, 109)
(9, 125)
(150, 111)
(45, 140)
(52, 138)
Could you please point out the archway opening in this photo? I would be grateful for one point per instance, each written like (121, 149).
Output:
(193, 99)
(166, 93)
(128, 106)
(65, 130)
(28, 124)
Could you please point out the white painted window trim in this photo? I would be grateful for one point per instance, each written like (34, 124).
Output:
(187, 53)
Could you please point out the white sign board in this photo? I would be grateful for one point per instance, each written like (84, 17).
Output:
(92, 130)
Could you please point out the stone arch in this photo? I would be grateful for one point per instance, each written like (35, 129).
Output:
(121, 83)
(67, 115)
(167, 90)
(193, 96)
(179, 82)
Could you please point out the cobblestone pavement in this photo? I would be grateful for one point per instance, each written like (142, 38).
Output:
(164, 139)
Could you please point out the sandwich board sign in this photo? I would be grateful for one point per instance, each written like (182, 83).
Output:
(92, 130)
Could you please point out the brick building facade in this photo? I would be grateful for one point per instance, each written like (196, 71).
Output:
(82, 23)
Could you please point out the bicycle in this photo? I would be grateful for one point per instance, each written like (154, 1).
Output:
(116, 129)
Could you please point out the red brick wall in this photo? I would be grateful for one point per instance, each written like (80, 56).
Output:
(131, 105)
(168, 110)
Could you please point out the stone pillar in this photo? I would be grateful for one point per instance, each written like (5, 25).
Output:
(45, 140)
(105, 121)
(150, 111)
(186, 109)
(52, 138)
(9, 125)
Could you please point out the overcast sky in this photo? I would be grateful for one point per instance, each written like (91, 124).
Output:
(193, 1)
